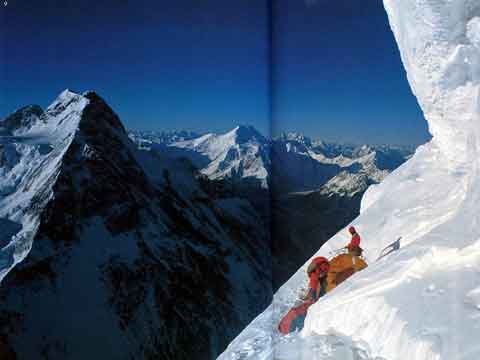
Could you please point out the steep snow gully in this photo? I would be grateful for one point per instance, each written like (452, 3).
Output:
(423, 301)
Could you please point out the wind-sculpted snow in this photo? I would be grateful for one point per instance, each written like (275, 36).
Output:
(421, 302)
(32, 146)
(438, 41)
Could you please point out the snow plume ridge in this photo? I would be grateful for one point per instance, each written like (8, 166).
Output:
(33, 144)
(421, 302)
(441, 53)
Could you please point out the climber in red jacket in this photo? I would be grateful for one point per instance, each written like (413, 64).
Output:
(317, 273)
(354, 245)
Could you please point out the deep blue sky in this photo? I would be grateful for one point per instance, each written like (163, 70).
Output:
(194, 64)
(203, 65)
(338, 74)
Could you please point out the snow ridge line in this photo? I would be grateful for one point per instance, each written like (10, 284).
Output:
(26, 204)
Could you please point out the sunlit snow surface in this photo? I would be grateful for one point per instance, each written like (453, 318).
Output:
(30, 160)
(423, 301)
(242, 151)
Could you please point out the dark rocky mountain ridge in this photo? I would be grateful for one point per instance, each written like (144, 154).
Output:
(127, 262)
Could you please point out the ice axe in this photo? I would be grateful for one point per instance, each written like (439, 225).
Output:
(390, 248)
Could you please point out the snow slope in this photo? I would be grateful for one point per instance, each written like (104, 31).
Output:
(240, 153)
(421, 302)
(32, 146)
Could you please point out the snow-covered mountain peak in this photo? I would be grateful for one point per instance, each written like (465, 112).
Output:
(64, 113)
(22, 119)
(214, 143)
(245, 133)
(239, 153)
(100, 113)
(63, 100)
(71, 112)
(32, 151)
(31, 160)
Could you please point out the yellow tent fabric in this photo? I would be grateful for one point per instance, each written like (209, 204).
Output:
(342, 267)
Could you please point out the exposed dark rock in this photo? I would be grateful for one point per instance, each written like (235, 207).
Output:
(157, 266)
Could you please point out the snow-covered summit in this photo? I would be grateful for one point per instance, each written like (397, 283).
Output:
(213, 144)
(240, 153)
(22, 119)
(95, 231)
(422, 301)
(32, 148)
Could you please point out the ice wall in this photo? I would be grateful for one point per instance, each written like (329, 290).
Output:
(439, 41)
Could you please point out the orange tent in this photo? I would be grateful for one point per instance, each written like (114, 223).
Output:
(342, 267)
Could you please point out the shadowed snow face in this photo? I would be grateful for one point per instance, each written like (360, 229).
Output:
(439, 42)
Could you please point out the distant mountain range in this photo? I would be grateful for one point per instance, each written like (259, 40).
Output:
(240, 154)
(311, 188)
(290, 163)
(147, 138)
